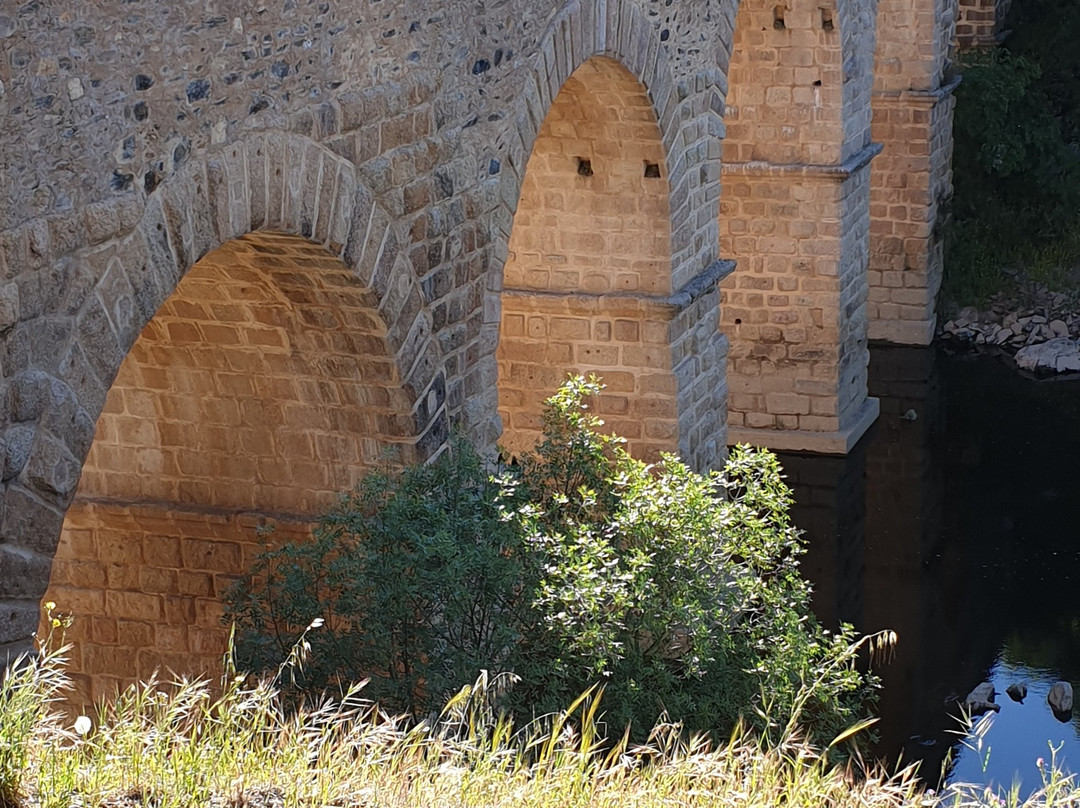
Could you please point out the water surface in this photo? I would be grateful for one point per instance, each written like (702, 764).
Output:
(956, 523)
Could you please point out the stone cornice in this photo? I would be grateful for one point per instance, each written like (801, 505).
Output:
(701, 284)
(927, 98)
(838, 171)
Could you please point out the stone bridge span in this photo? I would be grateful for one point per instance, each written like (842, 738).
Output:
(249, 248)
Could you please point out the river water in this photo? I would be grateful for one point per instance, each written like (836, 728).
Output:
(956, 523)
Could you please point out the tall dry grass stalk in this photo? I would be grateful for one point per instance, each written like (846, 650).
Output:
(236, 745)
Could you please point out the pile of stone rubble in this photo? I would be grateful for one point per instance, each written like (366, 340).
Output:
(1042, 327)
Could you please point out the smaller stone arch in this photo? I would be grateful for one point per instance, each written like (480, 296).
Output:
(333, 255)
(679, 303)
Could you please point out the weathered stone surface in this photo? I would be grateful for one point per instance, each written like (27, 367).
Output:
(1060, 355)
(1060, 698)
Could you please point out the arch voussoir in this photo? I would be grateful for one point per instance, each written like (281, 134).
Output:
(227, 183)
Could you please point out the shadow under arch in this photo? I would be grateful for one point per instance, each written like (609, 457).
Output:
(286, 220)
(676, 300)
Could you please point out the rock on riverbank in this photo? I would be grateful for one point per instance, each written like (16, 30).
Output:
(1043, 328)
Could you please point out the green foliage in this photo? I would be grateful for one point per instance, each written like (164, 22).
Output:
(582, 566)
(680, 592)
(1016, 168)
(28, 690)
(414, 576)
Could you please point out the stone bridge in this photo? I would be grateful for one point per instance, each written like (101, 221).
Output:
(247, 249)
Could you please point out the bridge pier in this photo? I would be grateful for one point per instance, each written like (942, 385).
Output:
(911, 182)
(795, 309)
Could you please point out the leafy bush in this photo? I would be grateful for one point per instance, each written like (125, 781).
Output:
(1016, 168)
(415, 576)
(679, 593)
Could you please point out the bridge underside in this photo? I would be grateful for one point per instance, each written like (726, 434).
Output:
(349, 244)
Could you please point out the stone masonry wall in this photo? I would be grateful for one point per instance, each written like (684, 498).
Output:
(794, 308)
(144, 585)
(785, 101)
(263, 381)
(911, 181)
(980, 23)
(260, 388)
(136, 137)
(593, 217)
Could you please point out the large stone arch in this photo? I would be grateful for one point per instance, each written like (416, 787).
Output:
(60, 367)
(795, 216)
(683, 308)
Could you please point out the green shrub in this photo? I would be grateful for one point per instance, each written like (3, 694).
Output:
(1016, 169)
(581, 566)
(680, 592)
(414, 574)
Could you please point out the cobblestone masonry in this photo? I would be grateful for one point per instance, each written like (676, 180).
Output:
(382, 149)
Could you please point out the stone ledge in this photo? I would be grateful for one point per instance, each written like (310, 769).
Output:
(677, 301)
(189, 509)
(841, 171)
(902, 332)
(927, 98)
(798, 440)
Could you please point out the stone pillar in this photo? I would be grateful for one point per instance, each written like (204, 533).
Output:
(911, 181)
(795, 307)
(794, 215)
(981, 23)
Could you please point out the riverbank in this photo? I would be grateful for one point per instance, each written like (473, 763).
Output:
(1037, 326)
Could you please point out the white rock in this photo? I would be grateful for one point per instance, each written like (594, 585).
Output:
(1061, 697)
(1061, 355)
(1060, 328)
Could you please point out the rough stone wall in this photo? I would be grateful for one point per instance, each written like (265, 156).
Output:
(980, 23)
(912, 179)
(263, 381)
(795, 307)
(144, 584)
(136, 137)
(593, 213)
(785, 101)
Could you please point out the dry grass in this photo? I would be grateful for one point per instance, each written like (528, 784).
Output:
(189, 745)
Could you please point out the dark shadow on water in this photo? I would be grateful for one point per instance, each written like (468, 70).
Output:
(956, 523)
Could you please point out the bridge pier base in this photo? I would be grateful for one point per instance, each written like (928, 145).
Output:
(910, 184)
(795, 307)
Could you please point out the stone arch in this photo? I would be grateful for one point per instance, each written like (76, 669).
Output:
(677, 304)
(794, 216)
(298, 199)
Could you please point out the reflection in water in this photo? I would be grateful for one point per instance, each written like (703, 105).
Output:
(952, 523)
